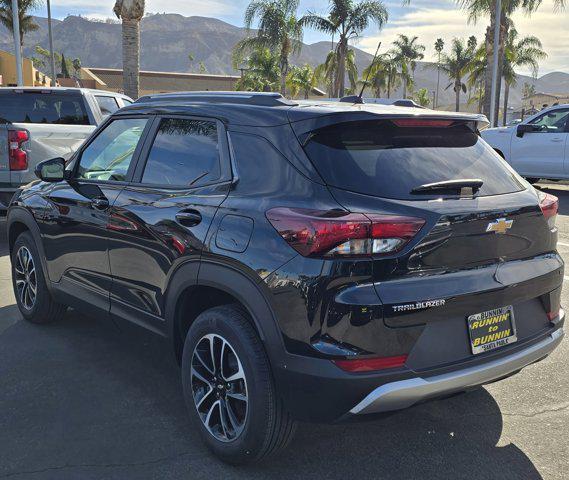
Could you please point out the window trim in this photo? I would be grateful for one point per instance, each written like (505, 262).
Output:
(132, 166)
(224, 156)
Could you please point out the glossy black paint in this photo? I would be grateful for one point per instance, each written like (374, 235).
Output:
(154, 256)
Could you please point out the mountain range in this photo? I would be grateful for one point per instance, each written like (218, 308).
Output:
(168, 39)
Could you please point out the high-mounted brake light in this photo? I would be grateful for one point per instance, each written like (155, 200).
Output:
(315, 233)
(18, 157)
(418, 122)
(360, 365)
(549, 205)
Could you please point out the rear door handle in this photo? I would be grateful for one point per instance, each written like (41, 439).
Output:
(189, 218)
(557, 139)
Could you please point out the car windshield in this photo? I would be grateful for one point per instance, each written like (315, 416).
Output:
(377, 157)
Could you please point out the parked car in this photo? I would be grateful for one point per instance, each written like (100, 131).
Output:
(41, 123)
(537, 148)
(315, 261)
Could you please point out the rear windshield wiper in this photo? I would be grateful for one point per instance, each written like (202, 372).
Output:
(450, 186)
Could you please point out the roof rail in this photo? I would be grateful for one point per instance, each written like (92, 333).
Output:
(239, 98)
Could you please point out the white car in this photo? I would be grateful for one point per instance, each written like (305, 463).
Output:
(538, 147)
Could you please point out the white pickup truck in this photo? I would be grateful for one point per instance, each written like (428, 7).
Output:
(41, 123)
(537, 148)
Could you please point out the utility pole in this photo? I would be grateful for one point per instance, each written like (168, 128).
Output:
(497, 21)
(18, 51)
(51, 54)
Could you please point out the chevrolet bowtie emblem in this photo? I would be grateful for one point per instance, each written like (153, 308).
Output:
(500, 226)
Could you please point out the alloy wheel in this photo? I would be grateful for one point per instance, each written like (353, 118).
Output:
(26, 279)
(219, 388)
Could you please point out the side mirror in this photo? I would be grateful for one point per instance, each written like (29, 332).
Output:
(51, 171)
(524, 128)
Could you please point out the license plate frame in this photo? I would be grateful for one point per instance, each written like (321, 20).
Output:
(491, 329)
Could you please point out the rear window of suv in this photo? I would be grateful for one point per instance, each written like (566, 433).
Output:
(377, 157)
(48, 108)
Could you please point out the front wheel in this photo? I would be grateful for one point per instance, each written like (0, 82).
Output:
(229, 389)
(30, 288)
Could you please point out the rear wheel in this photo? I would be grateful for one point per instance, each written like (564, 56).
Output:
(30, 288)
(229, 388)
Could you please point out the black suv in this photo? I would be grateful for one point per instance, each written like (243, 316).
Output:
(312, 261)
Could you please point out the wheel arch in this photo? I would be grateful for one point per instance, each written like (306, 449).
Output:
(219, 284)
(20, 220)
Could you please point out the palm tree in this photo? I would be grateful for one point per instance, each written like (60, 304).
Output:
(477, 72)
(439, 46)
(301, 79)
(406, 52)
(262, 73)
(278, 29)
(487, 8)
(456, 64)
(131, 13)
(27, 23)
(519, 52)
(327, 72)
(348, 19)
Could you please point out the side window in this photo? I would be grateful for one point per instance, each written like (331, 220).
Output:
(108, 105)
(109, 155)
(552, 122)
(184, 153)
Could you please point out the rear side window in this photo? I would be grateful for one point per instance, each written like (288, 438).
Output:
(108, 105)
(185, 153)
(48, 108)
(376, 157)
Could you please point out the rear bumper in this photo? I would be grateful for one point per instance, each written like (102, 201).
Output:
(405, 393)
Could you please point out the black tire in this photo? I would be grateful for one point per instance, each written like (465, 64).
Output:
(267, 427)
(43, 309)
(532, 180)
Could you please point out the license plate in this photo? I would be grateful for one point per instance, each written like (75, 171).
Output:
(492, 329)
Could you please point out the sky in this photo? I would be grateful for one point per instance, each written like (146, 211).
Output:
(428, 19)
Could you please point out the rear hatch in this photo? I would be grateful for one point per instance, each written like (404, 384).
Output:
(485, 244)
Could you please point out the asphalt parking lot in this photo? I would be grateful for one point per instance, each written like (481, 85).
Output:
(81, 400)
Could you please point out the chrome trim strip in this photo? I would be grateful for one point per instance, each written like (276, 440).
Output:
(405, 393)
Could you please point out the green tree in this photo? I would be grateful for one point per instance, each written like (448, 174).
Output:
(528, 90)
(327, 72)
(347, 19)
(278, 29)
(456, 65)
(130, 12)
(486, 8)
(422, 97)
(64, 69)
(262, 73)
(27, 23)
(406, 52)
(439, 47)
(301, 80)
(519, 52)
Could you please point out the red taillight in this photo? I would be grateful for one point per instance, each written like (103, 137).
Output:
(553, 315)
(370, 364)
(329, 233)
(549, 205)
(16, 154)
(417, 122)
